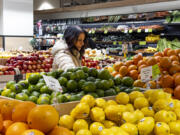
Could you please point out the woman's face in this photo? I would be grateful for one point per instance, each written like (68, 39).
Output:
(80, 42)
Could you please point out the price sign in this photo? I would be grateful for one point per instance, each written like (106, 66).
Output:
(93, 31)
(52, 83)
(120, 42)
(28, 74)
(146, 74)
(125, 31)
(114, 43)
(155, 72)
(90, 32)
(150, 30)
(146, 30)
(106, 31)
(130, 31)
(139, 30)
(142, 42)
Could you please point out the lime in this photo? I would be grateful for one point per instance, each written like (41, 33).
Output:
(63, 81)
(12, 95)
(72, 85)
(43, 100)
(80, 84)
(6, 92)
(1, 90)
(93, 94)
(73, 76)
(127, 81)
(42, 73)
(85, 69)
(110, 92)
(111, 83)
(117, 80)
(92, 79)
(86, 75)
(33, 99)
(33, 78)
(89, 87)
(39, 86)
(117, 89)
(8, 85)
(71, 70)
(93, 72)
(100, 92)
(17, 88)
(80, 74)
(61, 99)
(41, 80)
(98, 84)
(35, 93)
(104, 74)
(64, 89)
(45, 95)
(26, 92)
(54, 74)
(45, 89)
(75, 98)
(22, 96)
(105, 84)
(32, 88)
(55, 94)
(24, 84)
(81, 94)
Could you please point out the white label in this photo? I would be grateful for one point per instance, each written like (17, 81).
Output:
(52, 83)
(146, 74)
(125, 31)
(146, 30)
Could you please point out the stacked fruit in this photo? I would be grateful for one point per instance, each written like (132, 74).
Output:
(25, 118)
(31, 63)
(75, 84)
(6, 70)
(90, 63)
(151, 113)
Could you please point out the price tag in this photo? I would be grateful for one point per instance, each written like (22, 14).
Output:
(114, 43)
(146, 74)
(105, 31)
(125, 31)
(90, 32)
(120, 42)
(155, 72)
(28, 74)
(139, 30)
(52, 83)
(146, 30)
(150, 30)
(130, 31)
(142, 42)
(93, 31)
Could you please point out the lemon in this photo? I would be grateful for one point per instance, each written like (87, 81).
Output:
(177, 104)
(128, 117)
(66, 121)
(111, 102)
(145, 125)
(83, 132)
(139, 115)
(97, 114)
(106, 132)
(108, 124)
(96, 128)
(177, 111)
(172, 116)
(131, 129)
(118, 131)
(147, 93)
(156, 95)
(141, 102)
(174, 128)
(129, 108)
(135, 94)
(88, 99)
(100, 102)
(171, 104)
(148, 111)
(122, 98)
(161, 104)
(72, 132)
(122, 108)
(80, 124)
(113, 113)
(81, 111)
(162, 116)
(161, 128)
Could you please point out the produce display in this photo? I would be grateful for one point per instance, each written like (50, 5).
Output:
(25, 118)
(153, 112)
(6, 70)
(34, 62)
(174, 17)
(75, 84)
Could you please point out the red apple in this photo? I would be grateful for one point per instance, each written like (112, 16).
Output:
(11, 72)
(6, 72)
(34, 62)
(41, 70)
(34, 66)
(28, 71)
(38, 66)
(19, 66)
(43, 66)
(30, 62)
(29, 67)
(39, 62)
(26, 62)
(20, 62)
(1, 73)
(46, 70)
(23, 71)
(25, 66)
(37, 70)
(33, 71)
(48, 65)
(41, 58)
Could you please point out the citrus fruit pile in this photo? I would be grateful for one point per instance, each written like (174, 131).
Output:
(25, 118)
(153, 112)
(75, 84)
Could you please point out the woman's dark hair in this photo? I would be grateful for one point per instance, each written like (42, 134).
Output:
(71, 35)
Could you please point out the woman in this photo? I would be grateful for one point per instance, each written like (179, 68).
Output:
(68, 52)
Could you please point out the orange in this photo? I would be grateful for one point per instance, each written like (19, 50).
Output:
(60, 131)
(43, 118)
(6, 109)
(128, 63)
(166, 50)
(151, 61)
(132, 67)
(117, 65)
(167, 81)
(174, 69)
(1, 122)
(174, 58)
(114, 73)
(6, 124)
(165, 62)
(21, 111)
(17, 128)
(141, 62)
(32, 132)
(134, 74)
(158, 54)
(177, 79)
(168, 90)
(171, 52)
(123, 70)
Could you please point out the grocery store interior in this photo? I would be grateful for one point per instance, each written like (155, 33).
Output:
(89, 67)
